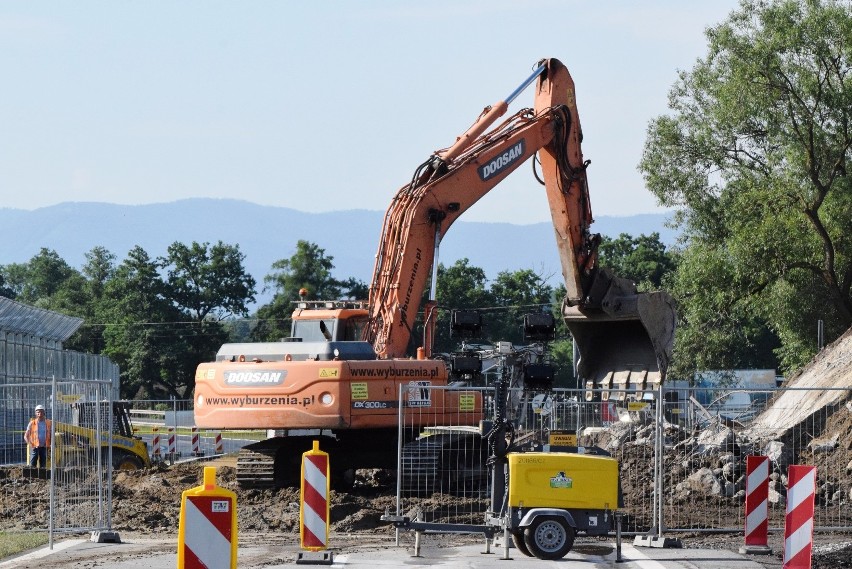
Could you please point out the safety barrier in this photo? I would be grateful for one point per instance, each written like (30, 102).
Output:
(196, 442)
(73, 493)
(168, 427)
(799, 522)
(207, 529)
(757, 506)
(314, 501)
(697, 439)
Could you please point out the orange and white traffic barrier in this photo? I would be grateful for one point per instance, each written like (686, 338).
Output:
(195, 442)
(218, 439)
(757, 506)
(207, 531)
(314, 510)
(799, 521)
(155, 443)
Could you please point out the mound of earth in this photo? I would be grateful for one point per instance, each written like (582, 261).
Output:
(151, 499)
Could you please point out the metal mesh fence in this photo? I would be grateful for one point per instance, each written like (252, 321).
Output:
(698, 444)
(72, 491)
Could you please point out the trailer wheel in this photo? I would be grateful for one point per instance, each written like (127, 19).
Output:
(518, 540)
(549, 537)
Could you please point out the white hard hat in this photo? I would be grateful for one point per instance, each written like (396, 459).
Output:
(39, 408)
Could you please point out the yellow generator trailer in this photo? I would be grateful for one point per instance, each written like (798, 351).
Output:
(554, 496)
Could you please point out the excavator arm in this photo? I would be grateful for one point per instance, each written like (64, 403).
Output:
(453, 179)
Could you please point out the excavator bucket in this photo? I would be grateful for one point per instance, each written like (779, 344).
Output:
(625, 342)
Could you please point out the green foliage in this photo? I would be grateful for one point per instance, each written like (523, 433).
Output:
(141, 332)
(755, 157)
(518, 293)
(209, 281)
(157, 330)
(308, 268)
(48, 282)
(460, 287)
(5, 291)
(643, 259)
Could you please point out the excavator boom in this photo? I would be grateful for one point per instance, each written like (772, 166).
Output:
(597, 302)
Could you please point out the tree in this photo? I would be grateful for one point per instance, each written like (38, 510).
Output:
(141, 332)
(518, 293)
(756, 157)
(5, 291)
(97, 272)
(208, 281)
(643, 259)
(308, 268)
(48, 282)
(460, 287)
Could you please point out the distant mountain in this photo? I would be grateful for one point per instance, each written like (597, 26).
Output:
(266, 234)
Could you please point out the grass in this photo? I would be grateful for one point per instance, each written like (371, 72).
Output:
(14, 543)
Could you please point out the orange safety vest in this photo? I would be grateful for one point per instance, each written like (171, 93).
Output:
(31, 434)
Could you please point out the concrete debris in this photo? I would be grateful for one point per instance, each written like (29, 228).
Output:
(824, 445)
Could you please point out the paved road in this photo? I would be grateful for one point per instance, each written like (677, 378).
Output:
(367, 553)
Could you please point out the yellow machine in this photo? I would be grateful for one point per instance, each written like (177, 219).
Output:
(553, 496)
(77, 444)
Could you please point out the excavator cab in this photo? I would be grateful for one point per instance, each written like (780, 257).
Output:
(328, 321)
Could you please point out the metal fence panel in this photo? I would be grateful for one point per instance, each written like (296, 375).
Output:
(74, 492)
(716, 429)
(698, 443)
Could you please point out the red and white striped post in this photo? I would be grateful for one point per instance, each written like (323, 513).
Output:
(757, 506)
(195, 443)
(172, 444)
(314, 511)
(155, 444)
(218, 440)
(799, 522)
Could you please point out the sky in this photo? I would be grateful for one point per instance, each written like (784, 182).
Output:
(319, 106)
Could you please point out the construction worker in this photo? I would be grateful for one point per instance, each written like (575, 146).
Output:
(37, 436)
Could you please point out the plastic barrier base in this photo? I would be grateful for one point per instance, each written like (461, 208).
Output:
(105, 537)
(315, 558)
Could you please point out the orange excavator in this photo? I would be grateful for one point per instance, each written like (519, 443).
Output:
(340, 375)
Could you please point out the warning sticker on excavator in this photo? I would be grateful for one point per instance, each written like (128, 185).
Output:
(467, 402)
(419, 394)
(329, 373)
(359, 391)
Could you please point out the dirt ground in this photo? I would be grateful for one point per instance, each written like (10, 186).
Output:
(146, 505)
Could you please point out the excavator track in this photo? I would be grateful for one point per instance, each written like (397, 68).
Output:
(256, 466)
(450, 463)
(420, 465)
